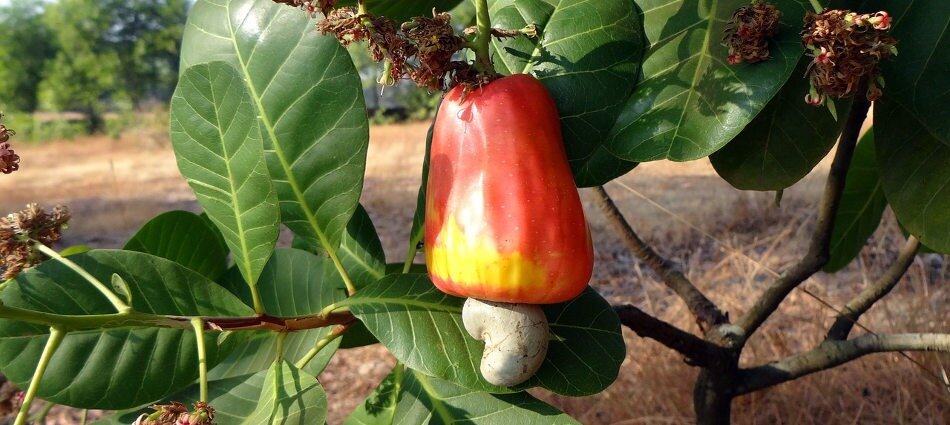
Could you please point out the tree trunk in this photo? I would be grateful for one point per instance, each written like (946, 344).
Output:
(712, 398)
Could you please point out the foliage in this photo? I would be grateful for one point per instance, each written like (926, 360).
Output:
(270, 128)
(25, 46)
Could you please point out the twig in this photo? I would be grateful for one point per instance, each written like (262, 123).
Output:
(697, 351)
(874, 292)
(833, 353)
(705, 311)
(818, 251)
(55, 337)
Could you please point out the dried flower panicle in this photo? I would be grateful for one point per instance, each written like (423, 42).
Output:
(175, 413)
(9, 160)
(19, 229)
(846, 48)
(749, 32)
(435, 42)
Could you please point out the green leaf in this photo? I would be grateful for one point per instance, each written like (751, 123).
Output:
(402, 10)
(862, 206)
(219, 152)
(783, 143)
(75, 249)
(309, 101)
(116, 368)
(279, 395)
(588, 56)
(915, 174)
(690, 102)
(417, 233)
(410, 397)
(294, 283)
(361, 251)
(917, 78)
(423, 328)
(184, 238)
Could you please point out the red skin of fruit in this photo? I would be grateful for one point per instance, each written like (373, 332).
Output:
(504, 221)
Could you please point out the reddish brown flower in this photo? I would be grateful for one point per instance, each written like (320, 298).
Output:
(847, 48)
(18, 231)
(749, 32)
(9, 160)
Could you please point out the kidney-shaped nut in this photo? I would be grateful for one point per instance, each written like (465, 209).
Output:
(515, 335)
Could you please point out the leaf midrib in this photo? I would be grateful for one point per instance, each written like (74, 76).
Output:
(703, 64)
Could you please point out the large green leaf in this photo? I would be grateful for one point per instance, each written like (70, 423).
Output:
(409, 397)
(783, 143)
(588, 56)
(862, 206)
(309, 102)
(423, 328)
(915, 174)
(691, 102)
(280, 395)
(121, 367)
(919, 78)
(184, 238)
(218, 147)
(294, 283)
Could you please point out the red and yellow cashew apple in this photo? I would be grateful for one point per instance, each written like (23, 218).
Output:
(504, 222)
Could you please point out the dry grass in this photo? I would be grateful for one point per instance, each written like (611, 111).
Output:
(731, 243)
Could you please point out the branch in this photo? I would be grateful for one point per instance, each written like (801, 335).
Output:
(818, 251)
(697, 351)
(136, 319)
(705, 311)
(834, 353)
(874, 292)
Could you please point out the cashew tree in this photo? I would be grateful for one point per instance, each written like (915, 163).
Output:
(201, 318)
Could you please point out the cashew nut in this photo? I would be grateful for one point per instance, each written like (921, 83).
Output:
(515, 335)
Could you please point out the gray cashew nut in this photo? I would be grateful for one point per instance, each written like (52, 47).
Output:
(515, 335)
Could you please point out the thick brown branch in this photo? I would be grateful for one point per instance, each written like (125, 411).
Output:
(874, 292)
(705, 312)
(697, 351)
(818, 251)
(833, 353)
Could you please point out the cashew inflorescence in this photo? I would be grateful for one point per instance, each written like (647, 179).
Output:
(515, 335)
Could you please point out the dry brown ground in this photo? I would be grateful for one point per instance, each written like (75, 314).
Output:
(727, 241)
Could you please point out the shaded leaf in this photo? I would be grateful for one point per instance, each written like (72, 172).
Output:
(409, 397)
(218, 148)
(294, 283)
(588, 56)
(308, 98)
(862, 205)
(185, 238)
(691, 102)
(917, 78)
(423, 328)
(783, 143)
(402, 10)
(121, 367)
(915, 174)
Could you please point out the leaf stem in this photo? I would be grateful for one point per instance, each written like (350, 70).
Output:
(337, 331)
(120, 305)
(256, 297)
(481, 45)
(199, 326)
(281, 337)
(55, 337)
(817, 6)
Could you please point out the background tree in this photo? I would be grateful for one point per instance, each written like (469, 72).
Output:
(25, 46)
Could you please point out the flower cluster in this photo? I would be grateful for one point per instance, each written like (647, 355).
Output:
(846, 48)
(176, 413)
(748, 34)
(9, 160)
(18, 231)
(420, 50)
